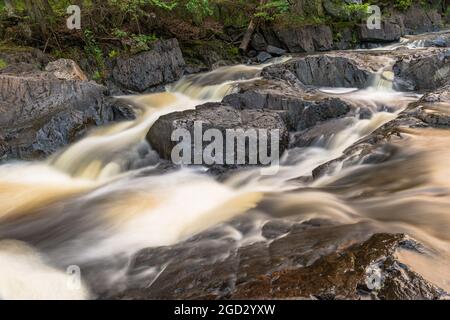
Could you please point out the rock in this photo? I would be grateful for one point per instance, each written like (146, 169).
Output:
(344, 40)
(439, 42)
(263, 57)
(65, 69)
(310, 260)
(214, 116)
(419, 20)
(277, 52)
(304, 38)
(301, 109)
(390, 31)
(258, 42)
(18, 55)
(329, 70)
(41, 113)
(427, 70)
(161, 65)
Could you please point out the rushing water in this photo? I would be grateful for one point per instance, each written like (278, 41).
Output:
(99, 200)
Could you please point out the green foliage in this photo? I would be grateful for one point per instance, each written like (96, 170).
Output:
(358, 10)
(141, 42)
(113, 54)
(3, 64)
(119, 33)
(199, 8)
(403, 4)
(272, 9)
(93, 49)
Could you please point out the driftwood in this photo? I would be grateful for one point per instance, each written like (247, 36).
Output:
(248, 36)
(249, 33)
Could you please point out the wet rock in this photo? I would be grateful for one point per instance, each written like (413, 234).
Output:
(301, 260)
(426, 70)
(275, 51)
(347, 275)
(215, 116)
(263, 57)
(41, 113)
(300, 108)
(329, 70)
(439, 42)
(161, 65)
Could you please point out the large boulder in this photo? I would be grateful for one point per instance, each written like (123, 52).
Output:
(426, 70)
(214, 116)
(42, 112)
(391, 30)
(417, 19)
(301, 108)
(161, 65)
(294, 38)
(305, 39)
(329, 70)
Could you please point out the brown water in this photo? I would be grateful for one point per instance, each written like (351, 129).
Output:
(92, 203)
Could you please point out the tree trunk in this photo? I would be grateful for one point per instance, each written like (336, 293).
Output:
(249, 33)
(39, 11)
(10, 8)
(248, 36)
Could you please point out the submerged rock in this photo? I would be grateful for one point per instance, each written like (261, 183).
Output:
(161, 65)
(42, 113)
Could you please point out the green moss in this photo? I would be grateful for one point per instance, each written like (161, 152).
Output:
(3, 64)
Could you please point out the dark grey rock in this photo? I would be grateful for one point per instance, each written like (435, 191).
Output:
(213, 116)
(325, 70)
(426, 70)
(304, 38)
(258, 42)
(390, 31)
(300, 109)
(41, 113)
(418, 19)
(275, 51)
(161, 65)
(263, 57)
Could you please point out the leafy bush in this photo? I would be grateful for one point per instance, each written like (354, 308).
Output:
(270, 10)
(403, 4)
